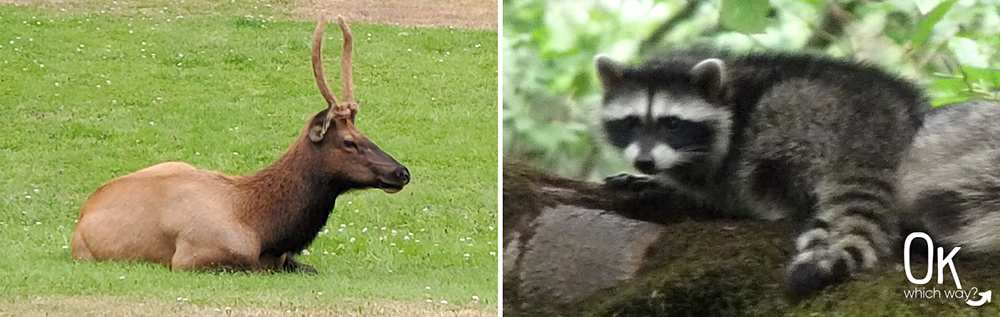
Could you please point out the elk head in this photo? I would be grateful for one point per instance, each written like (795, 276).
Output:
(345, 153)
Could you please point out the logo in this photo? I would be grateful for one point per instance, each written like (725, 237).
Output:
(942, 263)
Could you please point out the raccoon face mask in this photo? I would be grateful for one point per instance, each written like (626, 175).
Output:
(666, 121)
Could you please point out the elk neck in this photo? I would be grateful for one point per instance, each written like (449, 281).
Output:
(288, 202)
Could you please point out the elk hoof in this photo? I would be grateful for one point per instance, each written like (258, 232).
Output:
(293, 265)
(305, 268)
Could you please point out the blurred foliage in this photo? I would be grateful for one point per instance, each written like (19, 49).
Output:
(550, 90)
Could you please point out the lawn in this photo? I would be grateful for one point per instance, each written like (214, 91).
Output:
(89, 94)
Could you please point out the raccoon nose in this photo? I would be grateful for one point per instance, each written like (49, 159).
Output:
(645, 164)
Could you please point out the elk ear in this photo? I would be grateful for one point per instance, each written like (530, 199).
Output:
(316, 133)
(710, 76)
(608, 71)
(319, 125)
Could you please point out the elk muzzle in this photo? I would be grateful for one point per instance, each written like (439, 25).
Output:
(390, 175)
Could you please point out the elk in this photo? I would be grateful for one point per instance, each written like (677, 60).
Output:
(190, 219)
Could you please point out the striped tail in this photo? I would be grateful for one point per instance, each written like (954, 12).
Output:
(854, 226)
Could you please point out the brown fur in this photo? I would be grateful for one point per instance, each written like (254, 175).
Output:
(185, 218)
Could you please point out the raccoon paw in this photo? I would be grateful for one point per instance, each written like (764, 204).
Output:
(804, 280)
(807, 277)
(632, 182)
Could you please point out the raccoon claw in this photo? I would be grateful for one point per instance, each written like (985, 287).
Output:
(804, 280)
(632, 182)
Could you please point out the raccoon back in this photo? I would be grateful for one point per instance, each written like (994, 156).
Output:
(950, 180)
(814, 121)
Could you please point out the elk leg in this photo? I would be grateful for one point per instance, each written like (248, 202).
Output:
(208, 259)
(80, 250)
(203, 255)
(293, 265)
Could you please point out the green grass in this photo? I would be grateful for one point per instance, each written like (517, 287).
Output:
(86, 97)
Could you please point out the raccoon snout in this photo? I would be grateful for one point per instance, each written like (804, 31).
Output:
(645, 164)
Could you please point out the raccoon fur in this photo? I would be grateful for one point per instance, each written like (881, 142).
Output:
(950, 181)
(805, 137)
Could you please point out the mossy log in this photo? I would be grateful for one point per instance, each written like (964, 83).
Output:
(578, 249)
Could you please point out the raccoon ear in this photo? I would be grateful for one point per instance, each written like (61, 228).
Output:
(607, 70)
(709, 74)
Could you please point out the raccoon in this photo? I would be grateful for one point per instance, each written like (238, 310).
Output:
(809, 138)
(950, 180)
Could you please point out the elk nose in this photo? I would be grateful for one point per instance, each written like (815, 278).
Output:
(402, 174)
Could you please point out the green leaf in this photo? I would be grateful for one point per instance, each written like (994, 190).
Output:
(547, 137)
(949, 100)
(523, 123)
(816, 4)
(744, 16)
(976, 74)
(927, 24)
(950, 84)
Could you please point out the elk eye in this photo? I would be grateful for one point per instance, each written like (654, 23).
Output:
(351, 144)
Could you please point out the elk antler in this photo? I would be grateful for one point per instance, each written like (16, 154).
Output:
(346, 73)
(317, 63)
(335, 109)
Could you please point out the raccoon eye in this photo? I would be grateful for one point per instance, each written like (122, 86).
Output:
(620, 131)
(671, 123)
